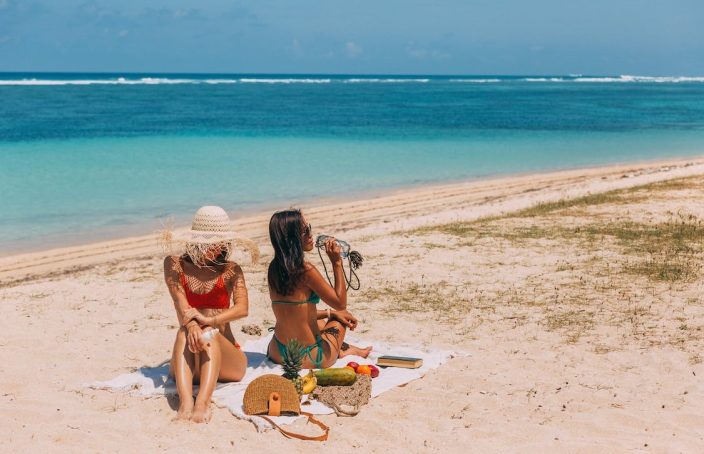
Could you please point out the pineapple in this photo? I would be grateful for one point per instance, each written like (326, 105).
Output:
(291, 363)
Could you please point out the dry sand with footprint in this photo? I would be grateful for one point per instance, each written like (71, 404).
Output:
(575, 298)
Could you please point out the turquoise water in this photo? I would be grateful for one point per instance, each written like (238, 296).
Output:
(90, 156)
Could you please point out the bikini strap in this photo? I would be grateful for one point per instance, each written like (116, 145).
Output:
(181, 274)
(178, 265)
(182, 278)
(319, 356)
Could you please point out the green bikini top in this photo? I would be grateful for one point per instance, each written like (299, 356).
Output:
(313, 298)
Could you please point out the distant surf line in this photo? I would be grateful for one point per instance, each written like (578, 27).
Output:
(351, 80)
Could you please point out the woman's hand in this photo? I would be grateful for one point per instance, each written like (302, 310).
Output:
(344, 317)
(332, 249)
(193, 334)
(193, 314)
(190, 314)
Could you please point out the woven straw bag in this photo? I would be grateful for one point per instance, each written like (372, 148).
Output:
(256, 396)
(273, 395)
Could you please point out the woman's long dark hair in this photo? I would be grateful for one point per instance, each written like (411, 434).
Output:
(286, 232)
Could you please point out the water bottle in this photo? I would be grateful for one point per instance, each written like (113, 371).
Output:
(208, 335)
(344, 246)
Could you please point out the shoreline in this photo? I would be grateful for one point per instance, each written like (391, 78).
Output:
(68, 219)
(489, 195)
(116, 232)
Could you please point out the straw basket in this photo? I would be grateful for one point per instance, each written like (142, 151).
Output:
(256, 396)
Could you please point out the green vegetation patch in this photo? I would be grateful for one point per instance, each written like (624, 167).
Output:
(546, 208)
(444, 302)
(573, 323)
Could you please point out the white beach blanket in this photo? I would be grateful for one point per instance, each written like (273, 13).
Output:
(154, 381)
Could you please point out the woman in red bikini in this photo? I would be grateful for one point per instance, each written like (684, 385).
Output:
(202, 282)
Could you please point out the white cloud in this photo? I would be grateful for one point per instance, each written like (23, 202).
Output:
(422, 53)
(417, 52)
(353, 50)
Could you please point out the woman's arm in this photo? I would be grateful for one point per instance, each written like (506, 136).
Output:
(334, 297)
(344, 317)
(323, 313)
(240, 299)
(172, 269)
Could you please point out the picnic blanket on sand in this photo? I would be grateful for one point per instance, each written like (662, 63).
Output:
(154, 381)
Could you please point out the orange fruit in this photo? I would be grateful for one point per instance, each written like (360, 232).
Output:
(364, 370)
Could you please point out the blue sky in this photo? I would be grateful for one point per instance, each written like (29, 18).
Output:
(643, 37)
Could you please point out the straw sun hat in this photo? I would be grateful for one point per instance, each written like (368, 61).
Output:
(211, 227)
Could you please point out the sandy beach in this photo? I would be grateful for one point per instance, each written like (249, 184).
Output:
(574, 298)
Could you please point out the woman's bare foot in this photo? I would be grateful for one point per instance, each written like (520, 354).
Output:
(185, 410)
(201, 414)
(357, 351)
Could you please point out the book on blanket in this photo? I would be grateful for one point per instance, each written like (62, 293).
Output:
(399, 361)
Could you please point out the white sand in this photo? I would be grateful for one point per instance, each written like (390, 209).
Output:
(532, 382)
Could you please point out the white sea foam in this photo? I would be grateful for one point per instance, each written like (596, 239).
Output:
(157, 81)
(646, 79)
(543, 79)
(619, 79)
(285, 81)
(169, 81)
(220, 81)
(476, 81)
(118, 81)
(384, 81)
(58, 82)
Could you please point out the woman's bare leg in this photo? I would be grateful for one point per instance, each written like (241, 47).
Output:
(333, 333)
(182, 367)
(335, 338)
(233, 360)
(356, 351)
(210, 361)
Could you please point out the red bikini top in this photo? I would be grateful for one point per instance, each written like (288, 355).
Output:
(216, 298)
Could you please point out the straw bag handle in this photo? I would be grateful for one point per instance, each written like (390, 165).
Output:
(312, 419)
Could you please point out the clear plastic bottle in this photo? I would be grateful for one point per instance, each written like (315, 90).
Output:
(209, 335)
(344, 246)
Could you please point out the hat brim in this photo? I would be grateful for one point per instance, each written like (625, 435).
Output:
(201, 237)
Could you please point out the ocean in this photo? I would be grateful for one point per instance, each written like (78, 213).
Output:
(91, 156)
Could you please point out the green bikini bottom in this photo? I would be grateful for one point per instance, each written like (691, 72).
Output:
(317, 361)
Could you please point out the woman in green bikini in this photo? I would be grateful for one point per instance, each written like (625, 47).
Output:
(296, 287)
